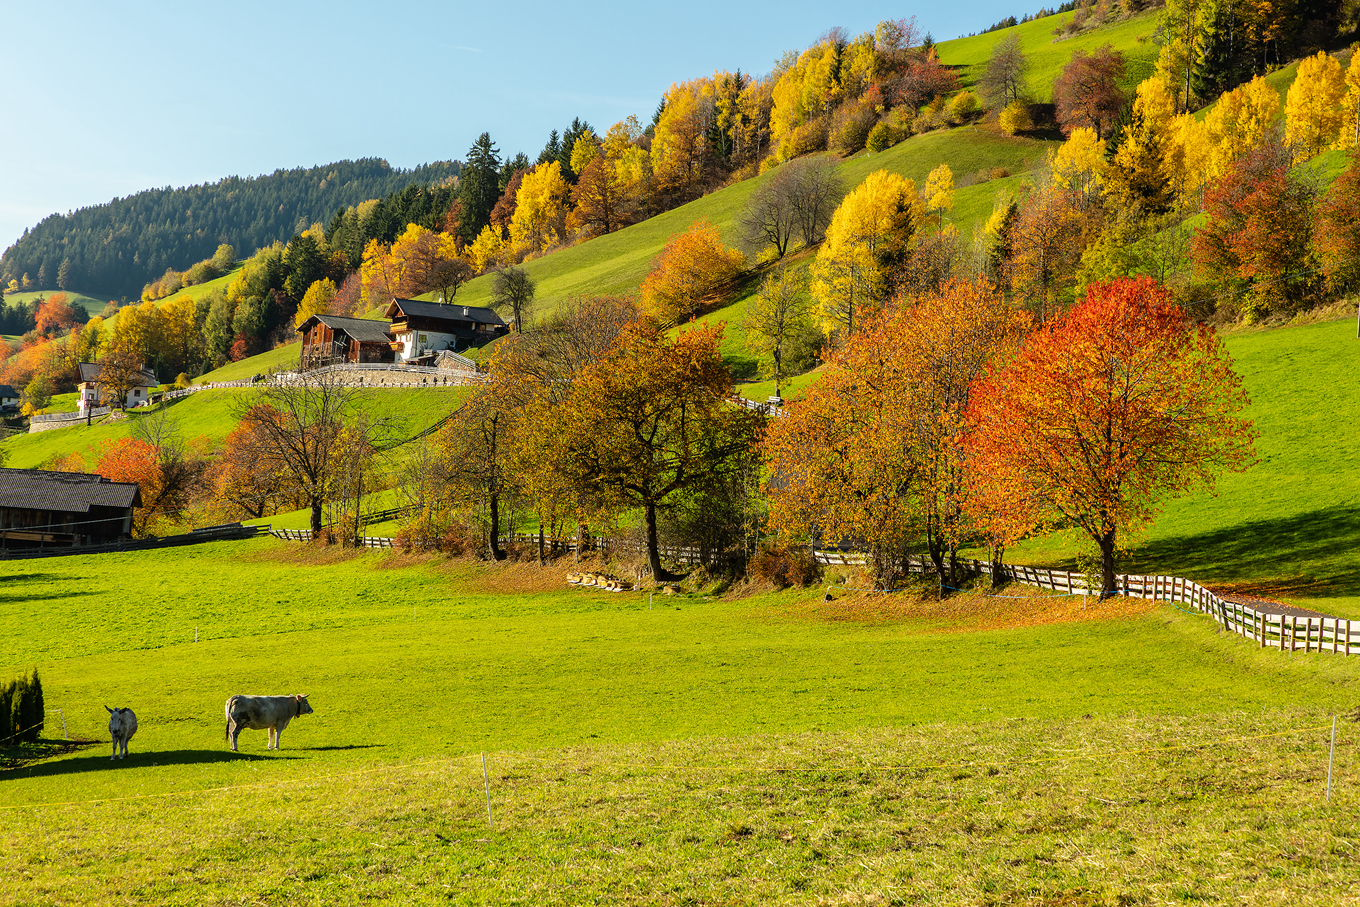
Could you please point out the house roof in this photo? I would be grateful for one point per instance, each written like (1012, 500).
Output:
(364, 330)
(89, 374)
(7, 391)
(443, 311)
(64, 492)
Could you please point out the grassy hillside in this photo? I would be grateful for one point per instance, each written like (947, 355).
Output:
(209, 415)
(93, 305)
(283, 358)
(1047, 55)
(617, 263)
(771, 749)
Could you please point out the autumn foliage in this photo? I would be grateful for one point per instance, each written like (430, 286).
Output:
(692, 272)
(872, 454)
(1101, 416)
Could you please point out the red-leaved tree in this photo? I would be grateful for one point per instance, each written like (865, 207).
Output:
(1087, 92)
(1103, 414)
(1257, 242)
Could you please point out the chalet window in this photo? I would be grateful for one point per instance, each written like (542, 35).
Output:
(422, 339)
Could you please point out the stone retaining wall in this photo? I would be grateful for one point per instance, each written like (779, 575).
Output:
(379, 378)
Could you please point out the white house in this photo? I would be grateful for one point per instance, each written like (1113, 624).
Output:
(420, 330)
(92, 393)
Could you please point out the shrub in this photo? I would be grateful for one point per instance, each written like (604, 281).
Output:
(963, 107)
(21, 710)
(852, 127)
(785, 566)
(807, 138)
(1016, 118)
(882, 137)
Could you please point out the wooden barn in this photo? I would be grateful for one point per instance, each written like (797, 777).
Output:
(420, 330)
(333, 339)
(40, 508)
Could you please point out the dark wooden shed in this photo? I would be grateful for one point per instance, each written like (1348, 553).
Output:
(40, 508)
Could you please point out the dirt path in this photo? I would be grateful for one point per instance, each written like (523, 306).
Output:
(1266, 606)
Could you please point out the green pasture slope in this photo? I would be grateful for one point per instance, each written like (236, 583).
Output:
(761, 750)
(617, 263)
(209, 414)
(93, 305)
(1046, 54)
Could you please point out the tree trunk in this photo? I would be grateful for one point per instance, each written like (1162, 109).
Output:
(495, 506)
(653, 549)
(1108, 587)
(540, 545)
(316, 518)
(937, 558)
(998, 568)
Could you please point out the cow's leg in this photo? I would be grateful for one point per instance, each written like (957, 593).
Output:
(234, 731)
(278, 732)
(115, 750)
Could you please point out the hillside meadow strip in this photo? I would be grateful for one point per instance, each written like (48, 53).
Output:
(772, 748)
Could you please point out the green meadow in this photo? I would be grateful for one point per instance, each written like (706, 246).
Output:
(769, 748)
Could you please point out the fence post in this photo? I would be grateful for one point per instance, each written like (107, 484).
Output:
(1331, 754)
(487, 781)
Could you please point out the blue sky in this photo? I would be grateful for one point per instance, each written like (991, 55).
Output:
(106, 99)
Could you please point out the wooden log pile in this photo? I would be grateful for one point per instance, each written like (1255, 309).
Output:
(600, 581)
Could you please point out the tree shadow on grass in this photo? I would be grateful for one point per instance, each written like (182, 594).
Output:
(53, 597)
(100, 762)
(1309, 555)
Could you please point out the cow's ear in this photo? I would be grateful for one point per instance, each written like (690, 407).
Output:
(109, 710)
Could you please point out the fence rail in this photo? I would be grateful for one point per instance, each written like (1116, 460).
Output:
(305, 535)
(69, 417)
(195, 537)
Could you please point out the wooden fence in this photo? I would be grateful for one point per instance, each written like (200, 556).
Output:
(197, 536)
(1286, 632)
(305, 535)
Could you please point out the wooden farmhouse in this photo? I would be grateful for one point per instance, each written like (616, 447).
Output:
(39, 508)
(421, 330)
(92, 392)
(9, 397)
(332, 339)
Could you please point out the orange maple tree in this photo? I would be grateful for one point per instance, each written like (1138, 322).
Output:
(1103, 414)
(135, 460)
(872, 454)
(693, 270)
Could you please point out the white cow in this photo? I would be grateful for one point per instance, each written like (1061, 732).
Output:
(258, 712)
(122, 725)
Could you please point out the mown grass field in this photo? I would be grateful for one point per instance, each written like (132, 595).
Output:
(767, 749)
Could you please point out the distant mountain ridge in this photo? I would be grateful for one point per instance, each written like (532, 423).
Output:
(117, 248)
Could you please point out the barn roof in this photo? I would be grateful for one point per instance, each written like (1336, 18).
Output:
(64, 492)
(364, 330)
(443, 311)
(7, 391)
(90, 371)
